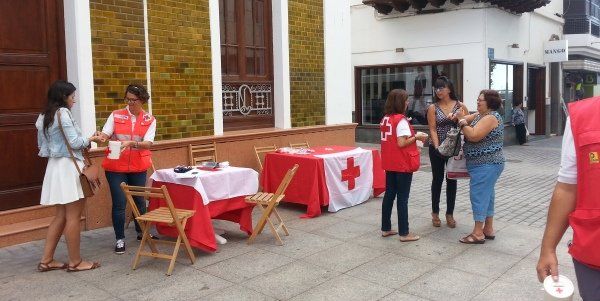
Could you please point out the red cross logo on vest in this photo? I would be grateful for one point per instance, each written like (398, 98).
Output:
(386, 128)
(350, 173)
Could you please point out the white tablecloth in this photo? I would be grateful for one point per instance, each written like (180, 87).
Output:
(226, 183)
(348, 185)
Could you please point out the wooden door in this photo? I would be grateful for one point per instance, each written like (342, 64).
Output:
(31, 58)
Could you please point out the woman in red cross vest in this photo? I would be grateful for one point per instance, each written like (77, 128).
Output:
(400, 157)
(135, 129)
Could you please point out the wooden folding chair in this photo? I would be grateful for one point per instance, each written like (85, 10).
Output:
(128, 212)
(300, 145)
(167, 215)
(267, 203)
(260, 152)
(202, 153)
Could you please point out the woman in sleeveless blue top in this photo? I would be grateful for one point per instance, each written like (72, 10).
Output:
(484, 138)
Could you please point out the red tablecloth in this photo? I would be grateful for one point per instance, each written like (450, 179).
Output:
(199, 229)
(308, 186)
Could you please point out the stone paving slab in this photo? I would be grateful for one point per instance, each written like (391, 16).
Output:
(337, 256)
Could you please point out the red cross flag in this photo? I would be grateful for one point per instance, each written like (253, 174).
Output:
(349, 177)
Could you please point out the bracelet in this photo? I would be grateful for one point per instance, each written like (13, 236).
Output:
(136, 144)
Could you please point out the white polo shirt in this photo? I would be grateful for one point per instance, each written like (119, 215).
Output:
(109, 126)
(403, 129)
(568, 159)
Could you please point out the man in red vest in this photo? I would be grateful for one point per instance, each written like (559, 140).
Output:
(576, 200)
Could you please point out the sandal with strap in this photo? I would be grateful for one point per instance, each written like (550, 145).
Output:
(388, 233)
(409, 237)
(46, 267)
(76, 268)
(472, 240)
(435, 220)
(450, 221)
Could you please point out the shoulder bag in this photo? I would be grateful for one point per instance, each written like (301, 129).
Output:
(88, 177)
(452, 145)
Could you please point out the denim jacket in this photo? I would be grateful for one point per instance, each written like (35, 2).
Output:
(53, 144)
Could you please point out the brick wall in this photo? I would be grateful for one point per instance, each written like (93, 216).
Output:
(180, 61)
(307, 62)
(117, 52)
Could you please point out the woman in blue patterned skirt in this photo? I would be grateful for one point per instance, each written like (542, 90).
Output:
(484, 138)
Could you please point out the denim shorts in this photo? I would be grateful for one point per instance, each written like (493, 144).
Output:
(482, 186)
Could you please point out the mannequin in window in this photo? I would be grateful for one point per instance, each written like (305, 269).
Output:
(419, 106)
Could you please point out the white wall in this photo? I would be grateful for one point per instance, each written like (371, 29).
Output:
(78, 45)
(338, 62)
(456, 34)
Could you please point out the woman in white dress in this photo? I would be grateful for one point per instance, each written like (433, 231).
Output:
(61, 186)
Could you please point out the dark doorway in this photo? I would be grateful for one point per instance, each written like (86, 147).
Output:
(32, 56)
(536, 97)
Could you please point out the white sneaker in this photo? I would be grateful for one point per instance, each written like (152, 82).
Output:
(120, 247)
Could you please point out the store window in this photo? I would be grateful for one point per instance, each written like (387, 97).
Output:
(246, 63)
(375, 82)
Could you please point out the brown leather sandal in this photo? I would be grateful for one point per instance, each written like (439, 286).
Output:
(76, 268)
(46, 267)
(472, 240)
(435, 220)
(450, 221)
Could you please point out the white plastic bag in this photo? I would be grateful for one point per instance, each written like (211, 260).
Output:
(457, 166)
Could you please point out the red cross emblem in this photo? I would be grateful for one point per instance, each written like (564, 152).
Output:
(559, 290)
(385, 127)
(350, 173)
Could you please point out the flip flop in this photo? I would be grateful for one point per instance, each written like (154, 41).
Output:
(472, 240)
(388, 233)
(45, 267)
(409, 237)
(490, 237)
(75, 268)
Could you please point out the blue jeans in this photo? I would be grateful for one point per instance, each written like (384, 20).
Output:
(397, 186)
(118, 198)
(481, 186)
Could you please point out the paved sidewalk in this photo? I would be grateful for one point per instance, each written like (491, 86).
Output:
(339, 256)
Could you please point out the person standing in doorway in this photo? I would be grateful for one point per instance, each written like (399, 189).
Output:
(575, 200)
(135, 129)
(518, 121)
(441, 118)
(400, 158)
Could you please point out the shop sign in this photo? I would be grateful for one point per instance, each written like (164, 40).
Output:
(556, 51)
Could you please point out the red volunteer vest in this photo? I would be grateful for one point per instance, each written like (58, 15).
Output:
(393, 157)
(585, 219)
(131, 159)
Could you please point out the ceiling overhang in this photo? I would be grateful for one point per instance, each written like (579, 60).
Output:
(516, 6)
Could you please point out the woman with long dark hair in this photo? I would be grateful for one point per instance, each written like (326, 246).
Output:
(400, 157)
(61, 186)
(440, 117)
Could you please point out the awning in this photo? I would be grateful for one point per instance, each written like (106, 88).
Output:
(517, 6)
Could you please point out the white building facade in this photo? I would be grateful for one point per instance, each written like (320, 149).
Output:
(477, 45)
